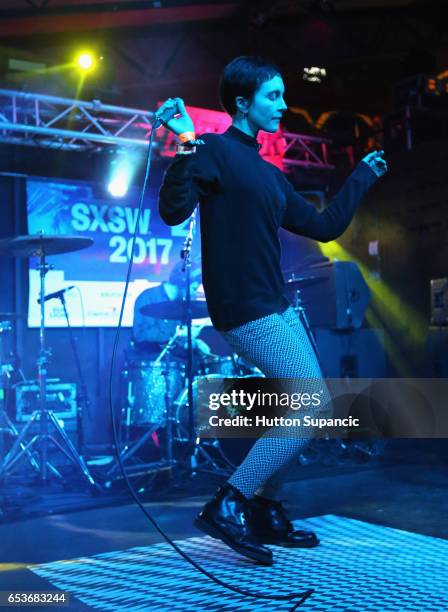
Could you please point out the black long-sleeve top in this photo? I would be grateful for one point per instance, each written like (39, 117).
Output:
(244, 200)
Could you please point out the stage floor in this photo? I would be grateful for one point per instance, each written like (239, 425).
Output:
(384, 546)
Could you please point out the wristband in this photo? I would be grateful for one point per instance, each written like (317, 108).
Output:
(181, 149)
(186, 136)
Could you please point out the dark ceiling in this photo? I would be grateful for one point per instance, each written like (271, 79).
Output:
(156, 49)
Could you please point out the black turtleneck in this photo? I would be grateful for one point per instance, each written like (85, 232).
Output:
(244, 200)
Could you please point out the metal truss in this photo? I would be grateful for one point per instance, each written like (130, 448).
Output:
(306, 151)
(51, 122)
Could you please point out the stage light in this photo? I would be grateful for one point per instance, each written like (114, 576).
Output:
(314, 74)
(119, 184)
(122, 170)
(388, 311)
(85, 61)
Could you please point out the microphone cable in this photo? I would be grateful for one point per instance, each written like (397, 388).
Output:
(301, 596)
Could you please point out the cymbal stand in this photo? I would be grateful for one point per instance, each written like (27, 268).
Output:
(187, 320)
(196, 449)
(45, 417)
(83, 399)
(300, 309)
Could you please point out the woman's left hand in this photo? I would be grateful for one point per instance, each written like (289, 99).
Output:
(376, 162)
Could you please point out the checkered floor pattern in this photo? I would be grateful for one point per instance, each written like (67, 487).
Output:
(357, 567)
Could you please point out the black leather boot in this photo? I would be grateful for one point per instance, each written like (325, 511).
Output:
(226, 518)
(270, 525)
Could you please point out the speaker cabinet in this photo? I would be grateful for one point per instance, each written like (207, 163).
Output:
(354, 354)
(336, 295)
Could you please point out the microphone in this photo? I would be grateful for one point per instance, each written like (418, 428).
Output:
(162, 118)
(56, 294)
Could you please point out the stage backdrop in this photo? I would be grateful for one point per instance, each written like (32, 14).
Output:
(98, 273)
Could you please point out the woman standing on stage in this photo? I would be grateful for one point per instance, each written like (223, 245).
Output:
(244, 200)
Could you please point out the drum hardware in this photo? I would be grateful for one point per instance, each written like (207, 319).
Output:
(147, 384)
(128, 453)
(8, 359)
(190, 310)
(303, 281)
(155, 386)
(7, 427)
(296, 284)
(184, 310)
(174, 310)
(41, 246)
(6, 368)
(210, 455)
(202, 456)
(181, 427)
(306, 264)
(203, 451)
(225, 366)
(144, 406)
(83, 402)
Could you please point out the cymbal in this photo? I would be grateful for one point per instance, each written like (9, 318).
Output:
(304, 281)
(35, 245)
(307, 263)
(175, 310)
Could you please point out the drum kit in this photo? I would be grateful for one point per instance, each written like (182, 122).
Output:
(156, 393)
(161, 393)
(34, 443)
(156, 399)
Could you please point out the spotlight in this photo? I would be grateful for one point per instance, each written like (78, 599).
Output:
(122, 171)
(85, 61)
(314, 74)
(119, 183)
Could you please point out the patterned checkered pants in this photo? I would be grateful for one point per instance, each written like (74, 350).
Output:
(279, 346)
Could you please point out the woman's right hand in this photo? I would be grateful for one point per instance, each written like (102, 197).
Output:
(180, 124)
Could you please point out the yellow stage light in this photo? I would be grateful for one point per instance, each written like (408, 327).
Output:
(388, 311)
(85, 61)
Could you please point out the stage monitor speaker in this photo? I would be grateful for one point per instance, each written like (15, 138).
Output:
(435, 353)
(339, 300)
(439, 301)
(354, 354)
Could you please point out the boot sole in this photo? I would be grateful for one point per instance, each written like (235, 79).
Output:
(219, 535)
(273, 542)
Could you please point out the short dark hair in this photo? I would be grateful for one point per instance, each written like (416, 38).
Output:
(242, 77)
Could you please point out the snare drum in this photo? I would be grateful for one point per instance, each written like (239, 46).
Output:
(149, 385)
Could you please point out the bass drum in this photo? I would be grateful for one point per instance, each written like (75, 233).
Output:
(231, 451)
(147, 384)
